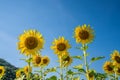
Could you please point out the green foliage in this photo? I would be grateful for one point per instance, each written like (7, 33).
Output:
(52, 78)
(77, 57)
(78, 66)
(100, 76)
(82, 70)
(97, 58)
(70, 72)
(50, 70)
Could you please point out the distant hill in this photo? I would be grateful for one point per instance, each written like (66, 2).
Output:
(9, 70)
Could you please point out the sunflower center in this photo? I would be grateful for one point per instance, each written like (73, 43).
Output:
(109, 68)
(118, 70)
(26, 69)
(45, 61)
(61, 47)
(38, 60)
(31, 42)
(117, 58)
(90, 75)
(84, 35)
(0, 71)
(67, 58)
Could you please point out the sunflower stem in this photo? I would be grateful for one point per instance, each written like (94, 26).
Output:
(67, 73)
(41, 73)
(29, 66)
(61, 70)
(85, 61)
(116, 77)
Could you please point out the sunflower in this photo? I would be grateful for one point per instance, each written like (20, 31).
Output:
(117, 70)
(84, 34)
(91, 74)
(115, 56)
(37, 60)
(60, 45)
(2, 71)
(27, 69)
(19, 73)
(108, 67)
(45, 61)
(63, 55)
(30, 42)
(67, 61)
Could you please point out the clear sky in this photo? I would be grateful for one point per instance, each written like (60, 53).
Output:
(55, 18)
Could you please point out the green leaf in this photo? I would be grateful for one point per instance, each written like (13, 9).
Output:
(100, 76)
(52, 78)
(78, 66)
(82, 70)
(97, 58)
(69, 72)
(84, 47)
(28, 60)
(77, 57)
(50, 70)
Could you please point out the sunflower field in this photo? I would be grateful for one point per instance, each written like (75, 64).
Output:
(31, 42)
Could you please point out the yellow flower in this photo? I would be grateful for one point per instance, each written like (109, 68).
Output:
(108, 67)
(67, 61)
(91, 74)
(19, 73)
(30, 42)
(45, 61)
(117, 70)
(84, 34)
(37, 60)
(60, 45)
(63, 55)
(27, 69)
(2, 71)
(115, 56)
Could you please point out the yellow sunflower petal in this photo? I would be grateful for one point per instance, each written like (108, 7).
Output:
(19, 73)
(67, 61)
(45, 61)
(37, 60)
(2, 71)
(30, 42)
(108, 67)
(117, 70)
(83, 34)
(27, 69)
(115, 56)
(60, 45)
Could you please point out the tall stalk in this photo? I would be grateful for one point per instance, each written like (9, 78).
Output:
(85, 61)
(29, 66)
(41, 73)
(61, 69)
(116, 77)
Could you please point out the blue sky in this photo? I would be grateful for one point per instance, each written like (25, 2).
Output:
(55, 18)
